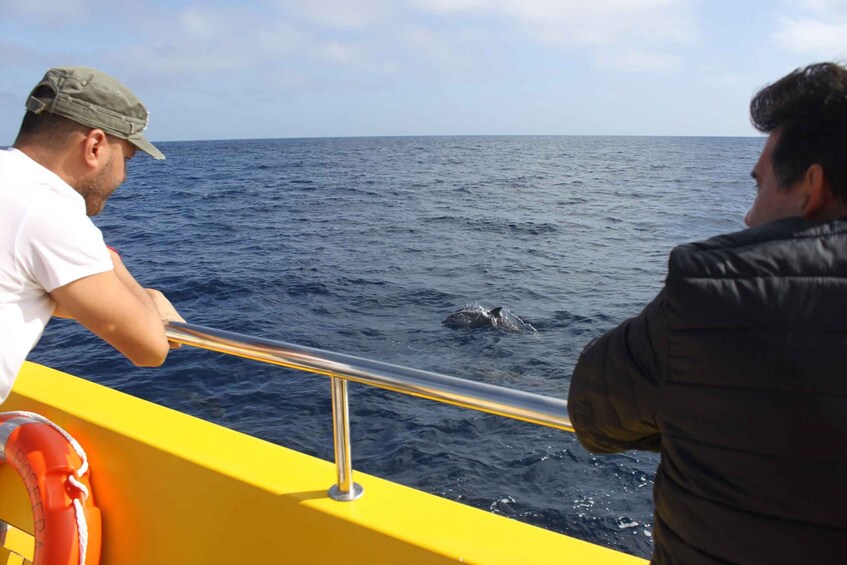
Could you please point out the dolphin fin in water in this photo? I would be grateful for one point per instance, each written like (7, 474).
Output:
(505, 320)
(479, 317)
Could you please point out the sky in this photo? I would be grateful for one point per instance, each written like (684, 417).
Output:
(230, 69)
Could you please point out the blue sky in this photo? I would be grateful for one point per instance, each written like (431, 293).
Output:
(227, 69)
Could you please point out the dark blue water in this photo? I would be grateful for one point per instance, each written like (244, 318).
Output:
(363, 246)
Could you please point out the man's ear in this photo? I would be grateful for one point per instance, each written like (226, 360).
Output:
(818, 193)
(94, 147)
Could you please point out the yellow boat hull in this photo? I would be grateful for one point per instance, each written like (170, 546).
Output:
(177, 489)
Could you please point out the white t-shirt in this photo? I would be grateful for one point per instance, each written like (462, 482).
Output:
(46, 241)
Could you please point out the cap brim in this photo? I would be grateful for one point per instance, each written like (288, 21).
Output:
(147, 147)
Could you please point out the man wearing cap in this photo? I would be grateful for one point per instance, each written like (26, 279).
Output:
(80, 128)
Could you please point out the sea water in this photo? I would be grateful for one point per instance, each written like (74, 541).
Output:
(364, 245)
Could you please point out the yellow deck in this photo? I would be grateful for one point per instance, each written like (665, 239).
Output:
(177, 489)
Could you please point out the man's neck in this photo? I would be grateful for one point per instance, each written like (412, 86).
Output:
(53, 160)
(834, 211)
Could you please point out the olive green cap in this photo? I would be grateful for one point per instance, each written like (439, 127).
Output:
(94, 99)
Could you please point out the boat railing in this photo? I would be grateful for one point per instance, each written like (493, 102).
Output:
(341, 368)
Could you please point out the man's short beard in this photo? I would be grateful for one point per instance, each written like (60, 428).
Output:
(96, 189)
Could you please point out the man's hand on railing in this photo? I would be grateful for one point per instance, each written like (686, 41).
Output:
(167, 312)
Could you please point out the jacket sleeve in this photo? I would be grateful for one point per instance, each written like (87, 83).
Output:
(615, 387)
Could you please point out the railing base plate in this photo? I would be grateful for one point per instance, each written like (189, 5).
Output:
(335, 494)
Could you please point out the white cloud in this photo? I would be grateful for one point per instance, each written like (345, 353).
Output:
(337, 51)
(195, 39)
(174, 59)
(379, 37)
(813, 27)
(636, 29)
(452, 5)
(46, 10)
(352, 14)
(209, 39)
(205, 39)
(278, 39)
(811, 36)
(428, 44)
(599, 22)
(642, 61)
(819, 6)
(203, 24)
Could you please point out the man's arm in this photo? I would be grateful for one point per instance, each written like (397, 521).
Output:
(115, 307)
(614, 391)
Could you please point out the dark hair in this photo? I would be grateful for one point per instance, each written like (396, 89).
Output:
(808, 109)
(46, 126)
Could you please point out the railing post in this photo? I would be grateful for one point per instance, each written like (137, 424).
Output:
(345, 489)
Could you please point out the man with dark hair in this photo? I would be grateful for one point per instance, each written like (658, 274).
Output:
(80, 129)
(735, 372)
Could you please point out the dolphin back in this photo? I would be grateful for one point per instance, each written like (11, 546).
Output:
(480, 317)
(469, 317)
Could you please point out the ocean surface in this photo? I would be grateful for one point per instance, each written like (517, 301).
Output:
(364, 245)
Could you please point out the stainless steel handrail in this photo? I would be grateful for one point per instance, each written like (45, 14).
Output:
(502, 401)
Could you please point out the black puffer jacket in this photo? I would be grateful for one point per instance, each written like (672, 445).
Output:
(737, 374)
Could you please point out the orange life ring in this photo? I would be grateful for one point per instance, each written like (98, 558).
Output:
(54, 469)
